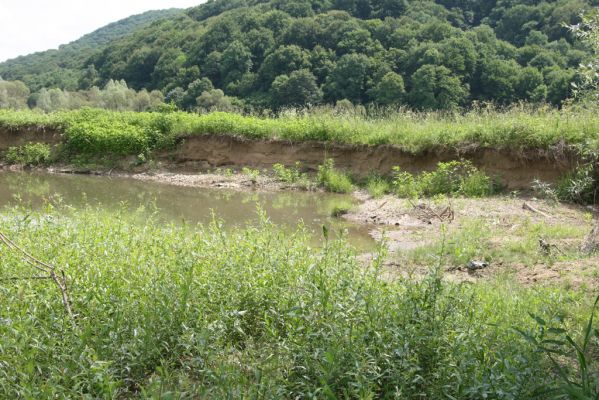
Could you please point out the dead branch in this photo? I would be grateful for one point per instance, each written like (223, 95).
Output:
(427, 213)
(546, 247)
(535, 210)
(58, 276)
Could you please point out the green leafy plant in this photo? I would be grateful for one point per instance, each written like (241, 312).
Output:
(451, 178)
(30, 154)
(251, 173)
(333, 180)
(578, 375)
(377, 186)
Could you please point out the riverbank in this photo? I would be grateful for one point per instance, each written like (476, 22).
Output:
(502, 231)
(516, 145)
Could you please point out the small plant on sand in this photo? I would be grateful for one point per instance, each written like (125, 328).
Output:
(377, 186)
(292, 175)
(451, 178)
(252, 174)
(30, 154)
(332, 179)
(341, 208)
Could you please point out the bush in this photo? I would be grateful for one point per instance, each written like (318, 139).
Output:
(377, 186)
(450, 178)
(333, 180)
(31, 154)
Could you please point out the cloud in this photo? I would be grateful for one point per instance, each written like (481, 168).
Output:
(37, 25)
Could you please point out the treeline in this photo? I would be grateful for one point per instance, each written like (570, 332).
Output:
(423, 54)
(64, 66)
(115, 95)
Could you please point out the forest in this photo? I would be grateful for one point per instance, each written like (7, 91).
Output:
(251, 54)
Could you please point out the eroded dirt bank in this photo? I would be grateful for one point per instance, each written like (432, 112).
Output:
(515, 169)
(14, 138)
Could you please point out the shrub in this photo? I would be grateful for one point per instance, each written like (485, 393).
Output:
(333, 180)
(30, 154)
(450, 178)
(377, 186)
(251, 173)
(292, 175)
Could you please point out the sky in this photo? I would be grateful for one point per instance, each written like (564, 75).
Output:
(27, 26)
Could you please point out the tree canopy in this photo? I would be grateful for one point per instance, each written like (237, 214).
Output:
(423, 54)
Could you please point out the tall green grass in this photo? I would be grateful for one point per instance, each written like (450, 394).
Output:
(96, 131)
(168, 311)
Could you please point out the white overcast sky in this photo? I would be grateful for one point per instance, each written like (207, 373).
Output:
(27, 26)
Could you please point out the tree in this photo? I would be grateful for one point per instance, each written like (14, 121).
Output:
(498, 80)
(530, 85)
(283, 60)
(350, 79)
(235, 61)
(194, 90)
(390, 90)
(296, 89)
(89, 78)
(215, 100)
(13, 95)
(559, 84)
(176, 96)
(434, 87)
(52, 100)
(588, 32)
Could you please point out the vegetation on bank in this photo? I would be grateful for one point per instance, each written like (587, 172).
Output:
(178, 311)
(100, 132)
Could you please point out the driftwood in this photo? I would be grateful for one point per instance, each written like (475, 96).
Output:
(51, 272)
(535, 210)
(426, 213)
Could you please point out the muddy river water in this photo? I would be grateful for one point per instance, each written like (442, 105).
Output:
(184, 204)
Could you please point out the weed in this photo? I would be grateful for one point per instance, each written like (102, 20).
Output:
(564, 352)
(451, 178)
(377, 186)
(251, 173)
(101, 131)
(30, 154)
(333, 180)
(341, 208)
(292, 175)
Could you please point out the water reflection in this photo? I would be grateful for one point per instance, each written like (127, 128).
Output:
(175, 203)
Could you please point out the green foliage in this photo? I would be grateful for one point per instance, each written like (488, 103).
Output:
(292, 175)
(588, 32)
(253, 174)
(171, 310)
(333, 180)
(451, 178)
(377, 186)
(573, 359)
(30, 154)
(129, 133)
(442, 53)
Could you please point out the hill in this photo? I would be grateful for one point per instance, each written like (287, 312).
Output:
(62, 67)
(425, 54)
